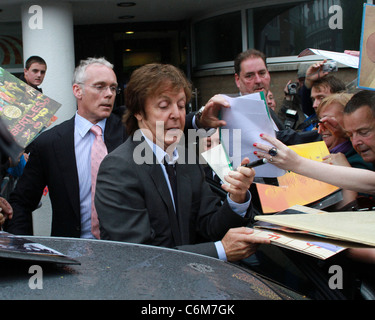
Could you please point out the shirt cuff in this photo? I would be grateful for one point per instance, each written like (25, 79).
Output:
(220, 251)
(194, 124)
(240, 208)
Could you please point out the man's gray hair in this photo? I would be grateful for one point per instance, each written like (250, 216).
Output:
(79, 75)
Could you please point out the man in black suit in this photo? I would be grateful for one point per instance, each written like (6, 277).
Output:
(135, 200)
(60, 157)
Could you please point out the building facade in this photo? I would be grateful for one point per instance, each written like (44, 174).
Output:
(201, 37)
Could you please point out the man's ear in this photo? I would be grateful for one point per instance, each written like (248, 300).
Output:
(138, 116)
(25, 73)
(77, 91)
(237, 80)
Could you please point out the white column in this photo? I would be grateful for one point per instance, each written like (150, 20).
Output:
(47, 31)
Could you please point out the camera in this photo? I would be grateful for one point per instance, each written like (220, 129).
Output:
(291, 118)
(292, 89)
(330, 66)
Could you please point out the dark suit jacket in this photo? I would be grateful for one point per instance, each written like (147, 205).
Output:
(52, 163)
(134, 204)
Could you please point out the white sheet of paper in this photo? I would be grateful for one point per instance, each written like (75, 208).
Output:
(218, 161)
(246, 119)
(344, 58)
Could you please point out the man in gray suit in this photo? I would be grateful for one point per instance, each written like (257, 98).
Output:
(135, 200)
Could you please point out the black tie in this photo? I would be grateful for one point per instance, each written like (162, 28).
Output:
(171, 171)
(217, 179)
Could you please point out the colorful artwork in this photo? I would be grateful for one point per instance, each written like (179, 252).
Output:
(24, 110)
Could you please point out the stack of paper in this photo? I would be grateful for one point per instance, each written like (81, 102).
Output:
(344, 58)
(319, 233)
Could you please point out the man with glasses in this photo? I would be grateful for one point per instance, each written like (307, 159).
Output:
(60, 158)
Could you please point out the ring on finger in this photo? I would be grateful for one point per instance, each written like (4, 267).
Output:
(270, 159)
(272, 152)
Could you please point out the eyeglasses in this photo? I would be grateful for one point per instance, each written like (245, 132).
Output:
(101, 88)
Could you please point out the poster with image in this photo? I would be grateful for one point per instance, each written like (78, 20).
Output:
(366, 70)
(25, 111)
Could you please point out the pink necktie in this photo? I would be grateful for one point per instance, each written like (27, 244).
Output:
(98, 152)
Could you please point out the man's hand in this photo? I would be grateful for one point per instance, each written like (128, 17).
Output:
(210, 115)
(315, 72)
(240, 243)
(352, 52)
(6, 211)
(240, 181)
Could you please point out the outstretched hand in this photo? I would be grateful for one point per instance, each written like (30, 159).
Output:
(315, 72)
(210, 115)
(285, 157)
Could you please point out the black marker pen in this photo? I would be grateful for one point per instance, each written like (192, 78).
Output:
(256, 163)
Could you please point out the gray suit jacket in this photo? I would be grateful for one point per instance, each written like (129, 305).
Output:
(134, 204)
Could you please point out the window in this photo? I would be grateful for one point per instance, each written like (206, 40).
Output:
(11, 55)
(217, 39)
(286, 30)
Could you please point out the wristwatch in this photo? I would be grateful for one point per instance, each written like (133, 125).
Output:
(198, 115)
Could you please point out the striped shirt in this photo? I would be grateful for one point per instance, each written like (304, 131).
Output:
(83, 140)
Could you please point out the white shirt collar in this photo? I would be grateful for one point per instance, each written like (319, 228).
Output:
(160, 154)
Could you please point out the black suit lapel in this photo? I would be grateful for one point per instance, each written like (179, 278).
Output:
(66, 162)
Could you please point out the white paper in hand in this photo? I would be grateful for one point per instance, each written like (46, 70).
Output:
(344, 58)
(218, 161)
(246, 119)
